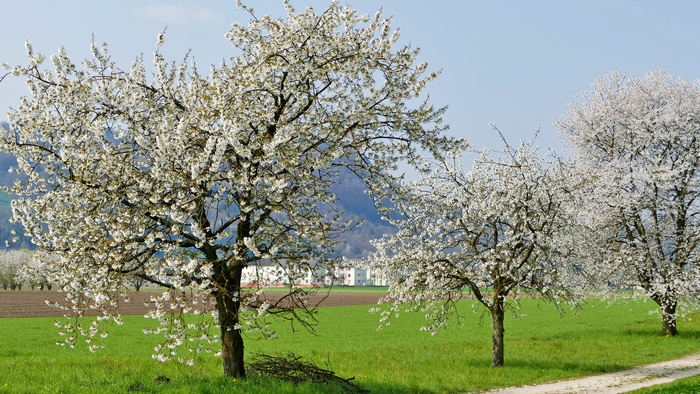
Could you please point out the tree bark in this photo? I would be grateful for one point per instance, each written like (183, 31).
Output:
(668, 313)
(232, 349)
(498, 315)
(668, 316)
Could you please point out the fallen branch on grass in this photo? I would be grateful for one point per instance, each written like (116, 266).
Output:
(291, 368)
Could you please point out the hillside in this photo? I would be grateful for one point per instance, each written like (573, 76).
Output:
(356, 203)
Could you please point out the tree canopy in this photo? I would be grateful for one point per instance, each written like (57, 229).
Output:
(637, 147)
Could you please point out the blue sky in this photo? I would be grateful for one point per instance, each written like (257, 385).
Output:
(514, 63)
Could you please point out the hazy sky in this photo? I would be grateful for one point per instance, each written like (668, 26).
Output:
(514, 63)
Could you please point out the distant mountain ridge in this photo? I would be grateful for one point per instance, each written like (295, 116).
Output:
(356, 202)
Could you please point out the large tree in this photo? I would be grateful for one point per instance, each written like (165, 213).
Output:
(491, 232)
(637, 146)
(186, 179)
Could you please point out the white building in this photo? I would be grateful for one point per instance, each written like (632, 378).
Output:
(350, 274)
(347, 274)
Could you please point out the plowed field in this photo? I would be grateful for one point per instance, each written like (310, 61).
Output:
(33, 303)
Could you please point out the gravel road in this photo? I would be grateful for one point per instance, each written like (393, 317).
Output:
(617, 382)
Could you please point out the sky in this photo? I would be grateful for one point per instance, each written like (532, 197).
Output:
(517, 64)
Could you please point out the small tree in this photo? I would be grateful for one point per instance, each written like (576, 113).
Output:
(138, 280)
(187, 179)
(491, 231)
(637, 142)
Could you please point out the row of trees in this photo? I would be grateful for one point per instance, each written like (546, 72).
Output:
(622, 213)
(178, 174)
(15, 268)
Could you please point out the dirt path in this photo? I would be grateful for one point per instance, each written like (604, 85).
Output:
(617, 382)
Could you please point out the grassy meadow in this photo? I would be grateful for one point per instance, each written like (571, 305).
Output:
(540, 346)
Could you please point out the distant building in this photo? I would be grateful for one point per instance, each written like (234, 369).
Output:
(350, 274)
(347, 274)
(270, 275)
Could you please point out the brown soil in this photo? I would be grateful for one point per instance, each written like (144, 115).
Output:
(33, 303)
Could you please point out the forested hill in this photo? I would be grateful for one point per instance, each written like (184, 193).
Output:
(6, 179)
(356, 202)
(350, 189)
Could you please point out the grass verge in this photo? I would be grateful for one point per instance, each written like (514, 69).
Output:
(681, 386)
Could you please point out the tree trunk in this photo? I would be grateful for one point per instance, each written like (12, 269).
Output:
(498, 314)
(232, 349)
(668, 306)
(668, 316)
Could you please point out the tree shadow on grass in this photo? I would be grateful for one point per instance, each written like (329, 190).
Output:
(690, 334)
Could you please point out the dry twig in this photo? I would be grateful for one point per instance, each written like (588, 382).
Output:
(291, 368)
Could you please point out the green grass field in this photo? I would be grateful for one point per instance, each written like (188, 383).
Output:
(540, 346)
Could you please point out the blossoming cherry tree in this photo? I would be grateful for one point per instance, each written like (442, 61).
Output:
(186, 179)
